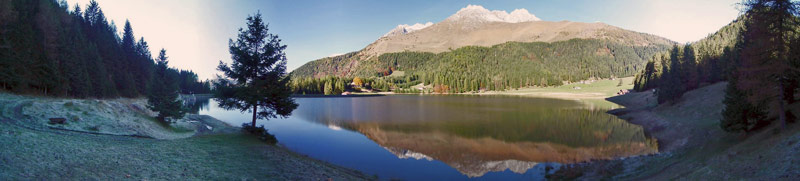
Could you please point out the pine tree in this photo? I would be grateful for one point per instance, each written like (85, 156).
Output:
(130, 61)
(794, 76)
(258, 71)
(128, 40)
(163, 97)
(671, 85)
(645, 79)
(144, 65)
(764, 68)
(739, 114)
(689, 68)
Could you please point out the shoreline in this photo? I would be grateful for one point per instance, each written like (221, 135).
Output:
(334, 96)
(638, 113)
(114, 139)
(691, 144)
(553, 94)
(638, 108)
(579, 91)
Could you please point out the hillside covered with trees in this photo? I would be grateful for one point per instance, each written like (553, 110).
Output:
(48, 48)
(757, 54)
(500, 67)
(710, 55)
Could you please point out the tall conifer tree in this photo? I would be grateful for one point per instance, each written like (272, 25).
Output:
(163, 96)
(258, 72)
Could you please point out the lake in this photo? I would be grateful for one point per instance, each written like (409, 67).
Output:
(453, 137)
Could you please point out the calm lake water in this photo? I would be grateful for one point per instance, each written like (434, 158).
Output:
(450, 137)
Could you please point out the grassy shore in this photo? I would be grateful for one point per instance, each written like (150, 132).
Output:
(692, 145)
(599, 90)
(117, 139)
(332, 96)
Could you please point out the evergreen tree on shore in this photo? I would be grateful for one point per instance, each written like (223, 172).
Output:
(163, 96)
(257, 76)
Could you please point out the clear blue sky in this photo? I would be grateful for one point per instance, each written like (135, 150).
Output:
(196, 32)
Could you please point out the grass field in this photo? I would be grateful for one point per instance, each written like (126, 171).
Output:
(599, 89)
(105, 141)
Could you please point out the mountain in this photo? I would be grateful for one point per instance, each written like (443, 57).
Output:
(405, 29)
(510, 50)
(476, 13)
(477, 26)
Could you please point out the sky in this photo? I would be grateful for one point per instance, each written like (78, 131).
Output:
(195, 33)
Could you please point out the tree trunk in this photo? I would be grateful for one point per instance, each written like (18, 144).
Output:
(782, 113)
(789, 92)
(255, 111)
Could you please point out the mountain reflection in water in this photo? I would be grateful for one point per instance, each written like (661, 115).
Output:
(480, 134)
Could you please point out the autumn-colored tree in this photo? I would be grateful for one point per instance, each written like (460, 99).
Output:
(328, 88)
(358, 82)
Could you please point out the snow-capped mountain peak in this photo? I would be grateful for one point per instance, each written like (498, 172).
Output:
(405, 29)
(477, 13)
(472, 15)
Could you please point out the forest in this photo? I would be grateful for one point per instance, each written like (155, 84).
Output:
(501, 67)
(706, 61)
(50, 49)
(758, 55)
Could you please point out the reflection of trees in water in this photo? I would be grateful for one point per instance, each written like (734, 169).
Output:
(571, 127)
(195, 105)
(477, 135)
(422, 108)
(510, 119)
(477, 147)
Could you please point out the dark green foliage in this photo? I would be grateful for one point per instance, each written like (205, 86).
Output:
(331, 85)
(163, 97)
(736, 54)
(257, 76)
(689, 74)
(672, 83)
(650, 72)
(756, 53)
(262, 133)
(764, 68)
(328, 85)
(793, 77)
(45, 49)
(190, 84)
(739, 114)
(501, 67)
(711, 57)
